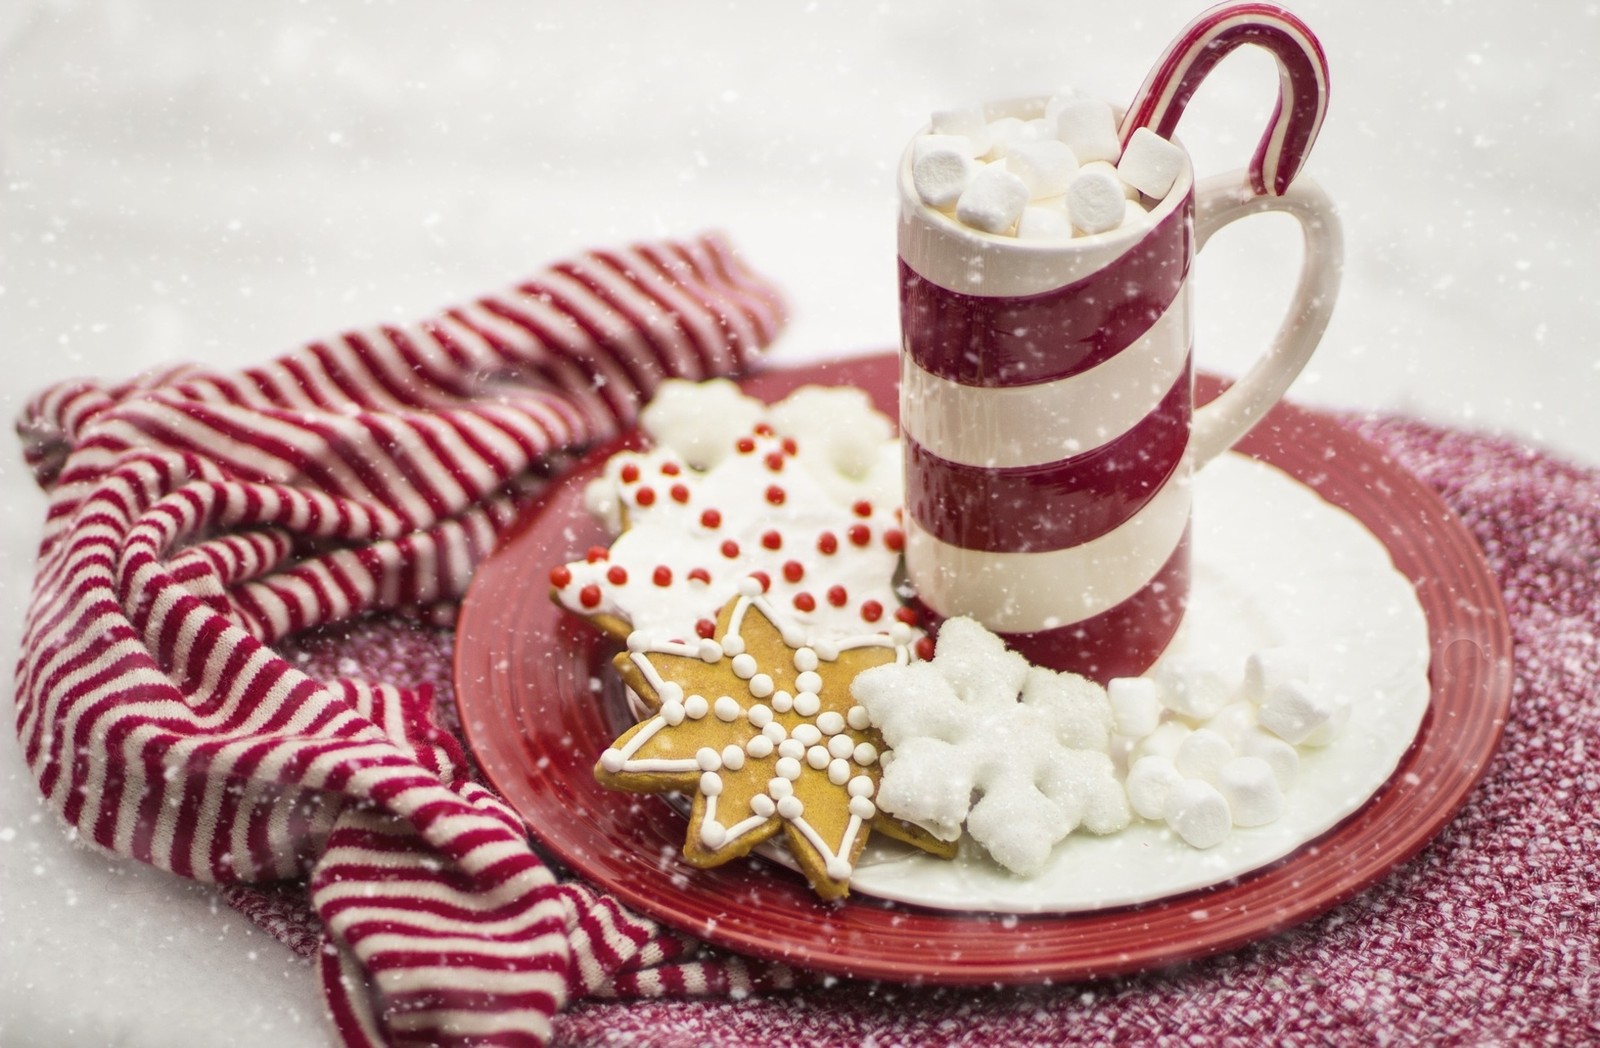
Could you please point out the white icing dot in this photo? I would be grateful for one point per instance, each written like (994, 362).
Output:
(713, 834)
(733, 644)
(782, 701)
(807, 704)
(791, 748)
(900, 633)
(838, 771)
(826, 651)
(862, 808)
(866, 754)
(761, 685)
(788, 768)
(775, 732)
(792, 635)
(839, 869)
(638, 641)
(696, 706)
(710, 650)
(831, 722)
(750, 587)
(841, 746)
(817, 757)
(708, 758)
(672, 713)
(810, 680)
(710, 783)
(809, 734)
(760, 715)
(779, 788)
(862, 786)
(732, 757)
(805, 660)
(791, 808)
(612, 760)
(763, 805)
(758, 747)
(670, 691)
(744, 665)
(858, 718)
(726, 709)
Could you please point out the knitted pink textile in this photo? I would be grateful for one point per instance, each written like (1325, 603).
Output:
(1488, 937)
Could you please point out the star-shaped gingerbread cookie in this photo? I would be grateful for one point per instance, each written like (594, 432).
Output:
(759, 727)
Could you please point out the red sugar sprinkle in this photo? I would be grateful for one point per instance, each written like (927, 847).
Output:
(671, 469)
(805, 602)
(906, 615)
(730, 549)
(775, 461)
(700, 575)
(793, 570)
(895, 539)
(776, 495)
(860, 534)
(679, 493)
(561, 577)
(925, 648)
(706, 628)
(828, 542)
(837, 596)
(711, 519)
(645, 496)
(763, 429)
(862, 508)
(763, 578)
(790, 446)
(662, 575)
(745, 445)
(871, 611)
(630, 472)
(617, 575)
(597, 554)
(771, 540)
(589, 596)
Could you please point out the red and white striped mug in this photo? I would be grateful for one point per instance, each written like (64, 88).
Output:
(1046, 397)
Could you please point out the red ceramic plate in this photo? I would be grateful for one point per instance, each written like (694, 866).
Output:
(536, 700)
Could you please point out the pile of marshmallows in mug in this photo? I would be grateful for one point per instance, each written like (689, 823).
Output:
(1061, 175)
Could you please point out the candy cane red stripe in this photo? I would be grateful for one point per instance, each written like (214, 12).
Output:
(1302, 84)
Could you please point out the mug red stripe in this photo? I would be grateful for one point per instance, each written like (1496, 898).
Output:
(1020, 341)
(998, 509)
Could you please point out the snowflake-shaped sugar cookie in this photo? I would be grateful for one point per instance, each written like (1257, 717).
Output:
(978, 737)
(759, 727)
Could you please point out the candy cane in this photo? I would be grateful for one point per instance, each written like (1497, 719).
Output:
(1302, 84)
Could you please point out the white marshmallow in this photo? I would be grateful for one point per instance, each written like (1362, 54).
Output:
(1135, 705)
(963, 120)
(1203, 754)
(1090, 127)
(1293, 712)
(941, 174)
(922, 145)
(1251, 790)
(1006, 134)
(1338, 713)
(1233, 721)
(1095, 201)
(1111, 169)
(1197, 812)
(1148, 783)
(1164, 741)
(1134, 215)
(1150, 164)
(1190, 689)
(993, 200)
(1264, 670)
(1044, 223)
(1056, 102)
(1045, 167)
(1283, 758)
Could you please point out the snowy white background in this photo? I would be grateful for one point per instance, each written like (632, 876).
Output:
(186, 180)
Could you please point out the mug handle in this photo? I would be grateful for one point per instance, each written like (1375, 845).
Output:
(1228, 198)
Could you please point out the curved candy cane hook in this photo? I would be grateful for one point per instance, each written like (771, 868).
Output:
(1302, 84)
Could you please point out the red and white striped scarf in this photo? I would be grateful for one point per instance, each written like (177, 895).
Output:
(196, 518)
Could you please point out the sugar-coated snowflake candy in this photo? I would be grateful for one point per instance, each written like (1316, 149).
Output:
(1008, 824)
(1251, 790)
(1076, 709)
(929, 785)
(1084, 783)
(1197, 811)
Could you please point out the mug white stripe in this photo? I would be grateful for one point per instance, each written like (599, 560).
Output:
(1026, 592)
(1001, 427)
